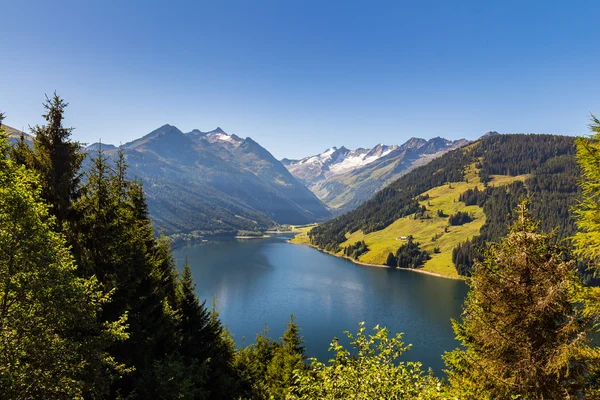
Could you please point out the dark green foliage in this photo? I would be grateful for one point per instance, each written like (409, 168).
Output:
(115, 242)
(410, 255)
(441, 214)
(171, 331)
(356, 250)
(57, 160)
(391, 260)
(553, 191)
(464, 256)
(472, 197)
(267, 366)
(20, 152)
(460, 218)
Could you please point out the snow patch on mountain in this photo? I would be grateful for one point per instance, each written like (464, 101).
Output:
(359, 158)
(220, 137)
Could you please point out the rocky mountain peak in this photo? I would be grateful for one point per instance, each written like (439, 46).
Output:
(489, 133)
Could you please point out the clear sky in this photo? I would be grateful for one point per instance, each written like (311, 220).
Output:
(301, 76)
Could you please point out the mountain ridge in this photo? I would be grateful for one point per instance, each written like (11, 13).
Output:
(343, 179)
(215, 183)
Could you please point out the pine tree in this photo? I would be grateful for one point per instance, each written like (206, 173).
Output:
(57, 160)
(51, 342)
(523, 328)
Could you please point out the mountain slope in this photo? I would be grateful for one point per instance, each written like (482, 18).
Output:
(343, 179)
(485, 179)
(215, 183)
(14, 135)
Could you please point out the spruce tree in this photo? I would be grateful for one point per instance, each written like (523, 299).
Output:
(523, 329)
(57, 159)
(197, 335)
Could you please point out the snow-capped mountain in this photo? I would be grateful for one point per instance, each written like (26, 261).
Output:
(334, 161)
(344, 178)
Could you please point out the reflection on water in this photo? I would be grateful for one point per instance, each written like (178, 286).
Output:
(263, 281)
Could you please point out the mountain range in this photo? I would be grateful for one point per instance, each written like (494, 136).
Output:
(212, 183)
(215, 183)
(344, 179)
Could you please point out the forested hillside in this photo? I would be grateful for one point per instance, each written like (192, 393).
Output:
(543, 167)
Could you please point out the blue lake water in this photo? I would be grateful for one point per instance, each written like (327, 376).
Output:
(262, 281)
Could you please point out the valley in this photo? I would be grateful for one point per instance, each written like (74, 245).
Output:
(205, 184)
(297, 200)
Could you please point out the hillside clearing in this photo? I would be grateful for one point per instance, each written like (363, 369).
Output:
(433, 231)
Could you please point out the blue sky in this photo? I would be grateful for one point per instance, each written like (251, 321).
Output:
(301, 76)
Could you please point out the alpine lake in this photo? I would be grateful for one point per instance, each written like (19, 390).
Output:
(260, 282)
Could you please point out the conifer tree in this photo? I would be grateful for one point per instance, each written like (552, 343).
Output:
(587, 239)
(57, 160)
(52, 344)
(21, 153)
(288, 356)
(523, 329)
(115, 242)
(197, 337)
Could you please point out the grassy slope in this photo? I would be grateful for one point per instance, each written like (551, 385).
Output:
(302, 234)
(445, 197)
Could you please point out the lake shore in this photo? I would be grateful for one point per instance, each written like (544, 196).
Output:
(460, 278)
